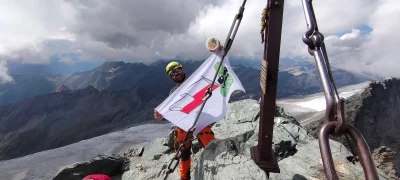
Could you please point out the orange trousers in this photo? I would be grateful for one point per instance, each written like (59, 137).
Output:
(204, 137)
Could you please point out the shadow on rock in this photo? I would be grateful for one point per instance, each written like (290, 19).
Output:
(299, 177)
(114, 165)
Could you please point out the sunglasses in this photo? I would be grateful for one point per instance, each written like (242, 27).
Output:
(175, 71)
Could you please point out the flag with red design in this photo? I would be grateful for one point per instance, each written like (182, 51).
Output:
(183, 105)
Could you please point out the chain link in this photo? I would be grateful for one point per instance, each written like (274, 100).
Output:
(334, 115)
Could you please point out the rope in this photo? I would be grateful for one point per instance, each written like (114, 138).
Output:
(264, 19)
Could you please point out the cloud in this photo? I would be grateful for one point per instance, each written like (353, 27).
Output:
(374, 53)
(149, 30)
(67, 60)
(344, 50)
(4, 77)
(380, 53)
(26, 24)
(136, 29)
(28, 27)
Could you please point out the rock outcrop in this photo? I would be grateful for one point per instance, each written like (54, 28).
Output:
(386, 159)
(62, 88)
(228, 156)
(375, 113)
(113, 165)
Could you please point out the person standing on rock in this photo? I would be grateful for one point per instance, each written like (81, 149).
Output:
(176, 71)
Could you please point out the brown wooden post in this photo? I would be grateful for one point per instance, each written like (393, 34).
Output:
(263, 154)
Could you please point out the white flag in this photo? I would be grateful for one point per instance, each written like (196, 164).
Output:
(183, 105)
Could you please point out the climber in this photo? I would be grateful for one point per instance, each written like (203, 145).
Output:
(177, 73)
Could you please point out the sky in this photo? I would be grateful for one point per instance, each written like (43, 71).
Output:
(360, 35)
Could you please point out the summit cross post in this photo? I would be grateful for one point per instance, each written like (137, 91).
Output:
(263, 154)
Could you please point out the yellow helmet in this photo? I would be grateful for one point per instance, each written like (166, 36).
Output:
(171, 66)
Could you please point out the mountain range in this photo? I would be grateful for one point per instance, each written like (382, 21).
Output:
(60, 109)
(295, 78)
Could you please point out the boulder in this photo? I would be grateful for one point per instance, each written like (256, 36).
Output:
(112, 165)
(155, 149)
(228, 159)
(134, 152)
(385, 159)
(307, 164)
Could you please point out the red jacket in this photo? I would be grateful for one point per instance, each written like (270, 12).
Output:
(97, 177)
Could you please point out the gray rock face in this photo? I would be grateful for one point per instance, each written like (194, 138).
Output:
(110, 165)
(169, 140)
(288, 138)
(378, 106)
(375, 113)
(307, 164)
(238, 119)
(228, 156)
(154, 150)
(385, 159)
(227, 159)
(280, 112)
(134, 152)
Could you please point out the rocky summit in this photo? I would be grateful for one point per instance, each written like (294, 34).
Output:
(228, 157)
(374, 111)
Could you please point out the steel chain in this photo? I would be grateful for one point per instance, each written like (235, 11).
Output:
(334, 116)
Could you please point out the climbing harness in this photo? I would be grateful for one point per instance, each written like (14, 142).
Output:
(334, 122)
(228, 43)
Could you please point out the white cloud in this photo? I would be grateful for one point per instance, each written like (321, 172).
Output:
(147, 31)
(4, 77)
(67, 60)
(344, 51)
(375, 53)
(27, 23)
(27, 26)
(380, 54)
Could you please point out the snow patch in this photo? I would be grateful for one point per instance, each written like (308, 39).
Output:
(316, 102)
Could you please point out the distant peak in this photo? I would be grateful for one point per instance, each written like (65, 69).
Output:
(90, 88)
(110, 64)
(62, 88)
(114, 62)
(389, 81)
